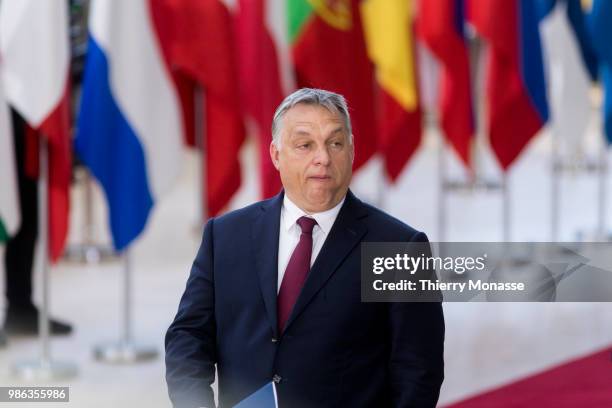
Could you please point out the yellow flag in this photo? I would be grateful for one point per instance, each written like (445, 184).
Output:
(388, 31)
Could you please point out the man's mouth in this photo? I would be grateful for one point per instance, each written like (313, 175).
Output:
(320, 178)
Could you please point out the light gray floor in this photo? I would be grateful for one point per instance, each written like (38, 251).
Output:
(486, 344)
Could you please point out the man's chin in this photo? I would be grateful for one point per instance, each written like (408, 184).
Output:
(319, 203)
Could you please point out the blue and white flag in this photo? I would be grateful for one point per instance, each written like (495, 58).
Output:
(129, 127)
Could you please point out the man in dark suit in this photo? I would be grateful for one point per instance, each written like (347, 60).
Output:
(274, 293)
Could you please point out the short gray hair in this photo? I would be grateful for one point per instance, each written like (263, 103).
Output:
(331, 101)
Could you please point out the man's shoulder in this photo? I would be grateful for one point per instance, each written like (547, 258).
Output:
(244, 215)
(388, 227)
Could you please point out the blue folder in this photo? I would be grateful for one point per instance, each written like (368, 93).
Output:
(265, 397)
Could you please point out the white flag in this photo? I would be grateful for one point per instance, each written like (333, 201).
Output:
(568, 78)
(34, 49)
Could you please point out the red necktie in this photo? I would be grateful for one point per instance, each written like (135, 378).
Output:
(296, 272)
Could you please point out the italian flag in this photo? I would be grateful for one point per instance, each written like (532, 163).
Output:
(329, 52)
(35, 68)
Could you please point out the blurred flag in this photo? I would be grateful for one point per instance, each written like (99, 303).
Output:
(34, 48)
(329, 52)
(266, 75)
(390, 43)
(198, 43)
(441, 25)
(516, 92)
(10, 216)
(571, 68)
(428, 73)
(600, 24)
(129, 128)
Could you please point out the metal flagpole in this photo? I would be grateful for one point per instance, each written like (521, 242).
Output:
(44, 368)
(506, 211)
(441, 190)
(200, 139)
(602, 233)
(384, 184)
(89, 251)
(514, 258)
(554, 188)
(125, 350)
(601, 166)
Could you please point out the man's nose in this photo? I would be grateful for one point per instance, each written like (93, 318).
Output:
(322, 156)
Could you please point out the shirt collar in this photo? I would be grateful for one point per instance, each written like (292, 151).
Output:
(325, 220)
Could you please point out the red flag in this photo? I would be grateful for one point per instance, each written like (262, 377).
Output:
(400, 134)
(329, 52)
(261, 82)
(517, 106)
(440, 24)
(197, 41)
(56, 127)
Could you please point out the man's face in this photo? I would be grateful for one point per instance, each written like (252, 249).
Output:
(315, 157)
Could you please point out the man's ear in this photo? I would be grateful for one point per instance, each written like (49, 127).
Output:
(274, 155)
(353, 150)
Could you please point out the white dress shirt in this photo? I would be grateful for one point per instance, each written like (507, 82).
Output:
(290, 232)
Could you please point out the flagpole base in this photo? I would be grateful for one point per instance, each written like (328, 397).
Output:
(124, 353)
(89, 253)
(44, 370)
(475, 186)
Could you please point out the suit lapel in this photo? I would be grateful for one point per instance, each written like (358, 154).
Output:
(264, 235)
(345, 234)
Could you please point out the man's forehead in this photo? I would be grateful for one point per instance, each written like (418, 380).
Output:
(307, 123)
(303, 115)
(301, 109)
(309, 128)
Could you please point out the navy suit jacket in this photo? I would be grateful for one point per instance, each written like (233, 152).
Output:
(335, 351)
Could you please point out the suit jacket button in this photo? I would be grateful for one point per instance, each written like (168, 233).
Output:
(277, 378)
(274, 339)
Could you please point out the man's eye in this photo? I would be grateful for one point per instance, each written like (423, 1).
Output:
(303, 146)
(336, 144)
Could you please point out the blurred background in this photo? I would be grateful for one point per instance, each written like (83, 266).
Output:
(125, 125)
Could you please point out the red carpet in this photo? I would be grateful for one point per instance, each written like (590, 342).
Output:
(584, 383)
